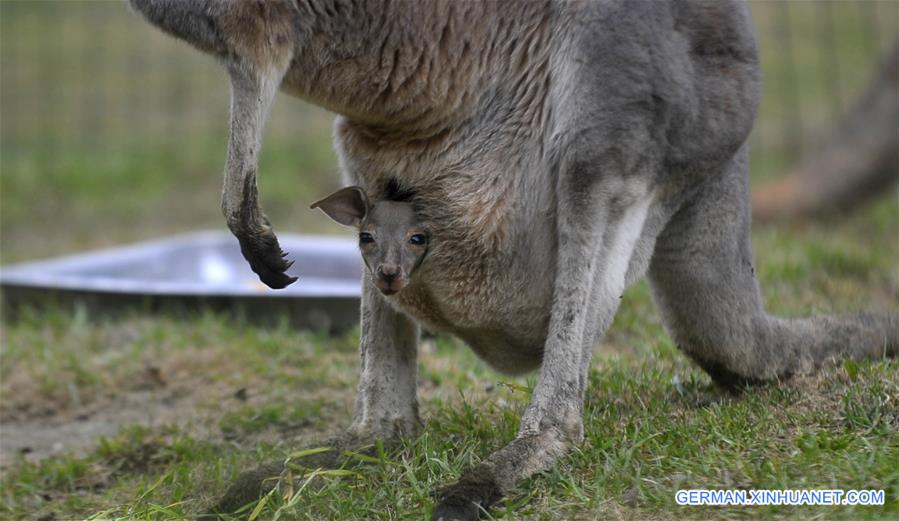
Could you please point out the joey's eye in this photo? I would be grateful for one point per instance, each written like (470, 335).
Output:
(418, 239)
(366, 238)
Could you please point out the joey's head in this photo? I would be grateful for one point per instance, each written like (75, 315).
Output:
(392, 239)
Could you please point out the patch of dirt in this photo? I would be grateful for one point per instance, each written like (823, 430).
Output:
(184, 390)
(78, 429)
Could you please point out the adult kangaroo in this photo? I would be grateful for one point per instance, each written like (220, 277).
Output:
(559, 150)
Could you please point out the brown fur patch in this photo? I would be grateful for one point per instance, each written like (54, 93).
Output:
(261, 32)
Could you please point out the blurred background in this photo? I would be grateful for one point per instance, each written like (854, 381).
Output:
(112, 132)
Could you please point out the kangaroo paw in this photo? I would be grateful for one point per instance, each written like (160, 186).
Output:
(468, 498)
(255, 483)
(258, 242)
(266, 258)
(248, 487)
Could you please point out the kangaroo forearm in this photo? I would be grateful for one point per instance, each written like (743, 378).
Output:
(251, 96)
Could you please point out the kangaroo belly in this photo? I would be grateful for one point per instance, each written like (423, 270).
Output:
(503, 325)
(495, 297)
(489, 272)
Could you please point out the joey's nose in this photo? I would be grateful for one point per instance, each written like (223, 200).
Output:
(388, 272)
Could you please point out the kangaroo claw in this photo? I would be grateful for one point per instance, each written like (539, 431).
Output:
(267, 259)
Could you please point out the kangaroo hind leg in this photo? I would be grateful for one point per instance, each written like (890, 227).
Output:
(703, 281)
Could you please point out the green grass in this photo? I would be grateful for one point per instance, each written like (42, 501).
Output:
(653, 426)
(103, 144)
(242, 394)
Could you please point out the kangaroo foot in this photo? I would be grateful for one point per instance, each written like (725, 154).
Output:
(468, 498)
(255, 483)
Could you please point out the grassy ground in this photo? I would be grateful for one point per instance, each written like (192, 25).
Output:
(217, 395)
(148, 417)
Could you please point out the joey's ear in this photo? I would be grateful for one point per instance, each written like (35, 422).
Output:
(348, 206)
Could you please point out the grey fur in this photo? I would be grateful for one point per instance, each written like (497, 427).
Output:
(558, 151)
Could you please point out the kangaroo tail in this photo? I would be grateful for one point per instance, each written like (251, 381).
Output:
(817, 340)
(781, 348)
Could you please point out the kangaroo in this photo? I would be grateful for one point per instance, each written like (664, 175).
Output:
(392, 240)
(559, 151)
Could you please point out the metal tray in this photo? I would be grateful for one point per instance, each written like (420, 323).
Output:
(193, 272)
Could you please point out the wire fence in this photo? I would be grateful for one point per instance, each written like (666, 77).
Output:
(88, 86)
(817, 56)
(91, 75)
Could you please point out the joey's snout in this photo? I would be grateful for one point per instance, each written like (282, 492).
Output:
(389, 272)
(390, 278)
